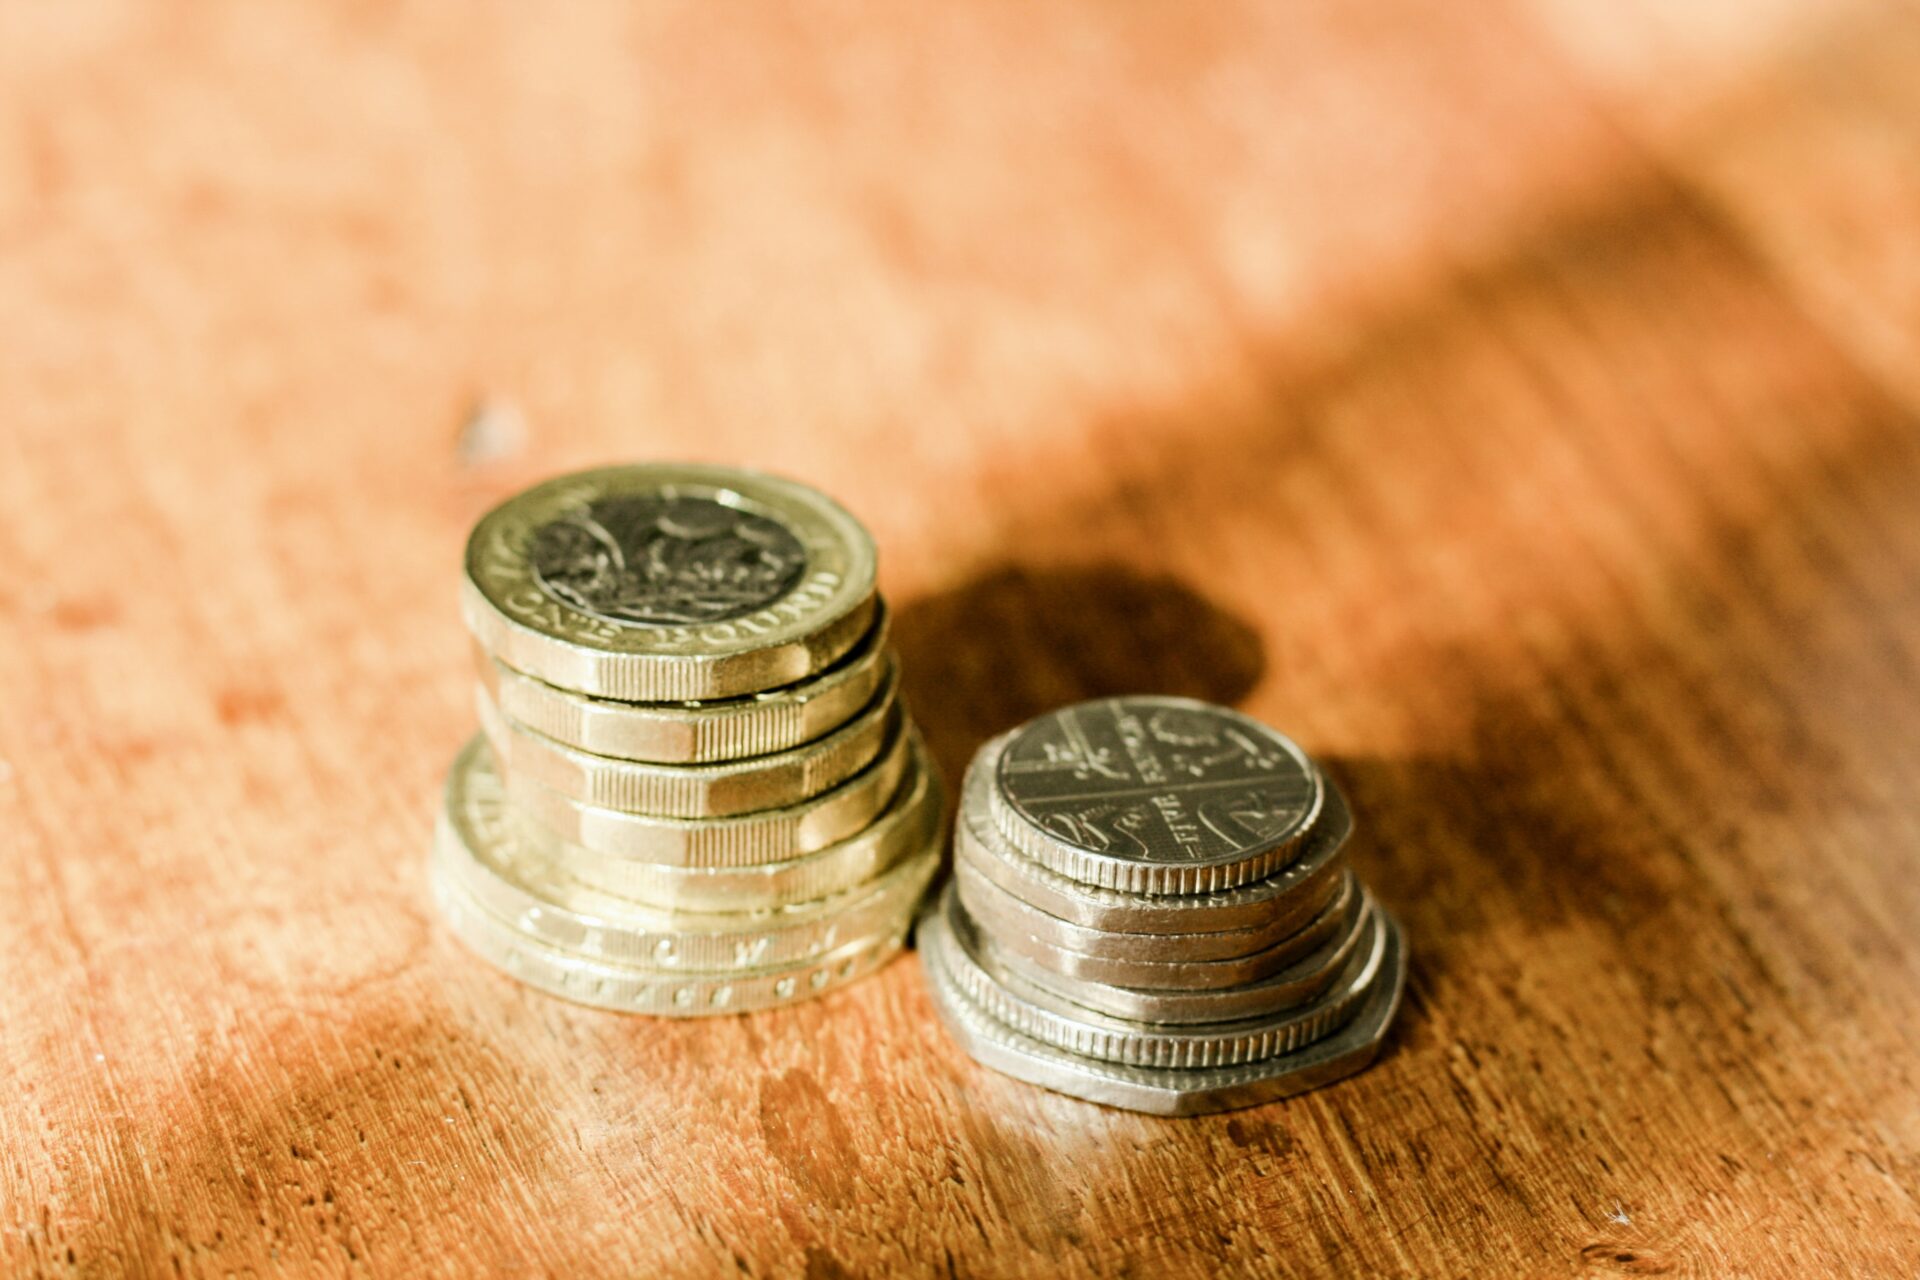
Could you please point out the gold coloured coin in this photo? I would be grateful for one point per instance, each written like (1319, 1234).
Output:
(721, 790)
(753, 839)
(638, 989)
(658, 583)
(479, 849)
(910, 822)
(696, 732)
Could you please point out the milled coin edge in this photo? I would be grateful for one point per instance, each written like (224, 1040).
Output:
(1168, 1092)
(1158, 975)
(1318, 864)
(1296, 984)
(1087, 1033)
(1151, 878)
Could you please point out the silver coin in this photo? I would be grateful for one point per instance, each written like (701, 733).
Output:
(720, 790)
(658, 583)
(757, 724)
(636, 989)
(1189, 975)
(999, 912)
(1090, 1034)
(774, 835)
(1173, 1092)
(480, 849)
(910, 823)
(1155, 795)
(1296, 893)
(1297, 984)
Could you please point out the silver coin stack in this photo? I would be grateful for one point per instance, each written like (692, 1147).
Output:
(1150, 909)
(696, 790)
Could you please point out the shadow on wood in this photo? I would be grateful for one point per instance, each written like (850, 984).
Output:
(1017, 641)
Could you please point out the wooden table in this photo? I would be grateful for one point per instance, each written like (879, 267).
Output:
(1515, 402)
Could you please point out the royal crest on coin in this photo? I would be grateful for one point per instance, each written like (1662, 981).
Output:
(660, 560)
(1157, 780)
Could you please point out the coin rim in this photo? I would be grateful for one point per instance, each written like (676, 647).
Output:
(751, 839)
(720, 789)
(911, 818)
(1168, 1092)
(1294, 985)
(1151, 878)
(978, 841)
(611, 928)
(1003, 912)
(480, 932)
(695, 732)
(1192, 975)
(1089, 1034)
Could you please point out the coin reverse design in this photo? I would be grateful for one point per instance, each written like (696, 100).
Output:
(1155, 794)
(657, 559)
(654, 583)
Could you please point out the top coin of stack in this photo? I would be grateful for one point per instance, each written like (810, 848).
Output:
(1151, 910)
(696, 790)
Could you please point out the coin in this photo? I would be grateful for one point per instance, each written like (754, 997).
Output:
(1155, 795)
(1291, 896)
(659, 583)
(1189, 975)
(1294, 985)
(1001, 913)
(696, 732)
(480, 849)
(753, 839)
(910, 822)
(723, 789)
(637, 989)
(1163, 1091)
(1096, 1035)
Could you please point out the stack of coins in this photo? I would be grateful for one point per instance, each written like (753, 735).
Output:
(696, 790)
(1150, 909)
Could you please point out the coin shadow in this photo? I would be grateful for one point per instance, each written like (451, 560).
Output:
(1018, 640)
(1456, 846)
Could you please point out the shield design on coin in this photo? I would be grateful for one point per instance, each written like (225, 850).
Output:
(1105, 828)
(1252, 818)
(1160, 780)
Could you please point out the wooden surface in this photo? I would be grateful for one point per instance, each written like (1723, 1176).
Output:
(1515, 402)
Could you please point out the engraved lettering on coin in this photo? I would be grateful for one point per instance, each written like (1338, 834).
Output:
(662, 560)
(1157, 780)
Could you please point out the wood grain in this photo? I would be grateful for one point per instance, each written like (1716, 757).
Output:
(1516, 403)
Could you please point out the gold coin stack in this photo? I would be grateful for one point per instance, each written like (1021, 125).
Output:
(696, 790)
